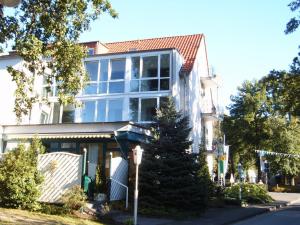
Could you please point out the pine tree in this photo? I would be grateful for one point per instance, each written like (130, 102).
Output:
(169, 175)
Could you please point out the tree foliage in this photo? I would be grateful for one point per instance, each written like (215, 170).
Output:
(45, 34)
(20, 179)
(264, 115)
(171, 179)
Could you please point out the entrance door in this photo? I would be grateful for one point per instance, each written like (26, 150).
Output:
(92, 160)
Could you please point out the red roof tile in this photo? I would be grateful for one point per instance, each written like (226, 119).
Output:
(186, 45)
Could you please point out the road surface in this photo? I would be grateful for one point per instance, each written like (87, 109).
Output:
(286, 216)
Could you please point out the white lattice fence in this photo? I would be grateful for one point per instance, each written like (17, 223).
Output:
(119, 175)
(61, 171)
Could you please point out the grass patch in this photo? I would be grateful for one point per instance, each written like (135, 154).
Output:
(18, 217)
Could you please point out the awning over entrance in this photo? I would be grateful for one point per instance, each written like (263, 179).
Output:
(72, 131)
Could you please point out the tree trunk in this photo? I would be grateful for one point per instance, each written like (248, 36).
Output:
(293, 181)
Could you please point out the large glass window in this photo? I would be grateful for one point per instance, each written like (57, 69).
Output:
(92, 70)
(134, 109)
(90, 89)
(165, 65)
(88, 111)
(148, 109)
(116, 87)
(135, 67)
(115, 110)
(144, 109)
(101, 110)
(117, 69)
(153, 77)
(150, 65)
(103, 69)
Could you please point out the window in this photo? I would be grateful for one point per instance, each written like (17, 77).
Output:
(101, 110)
(144, 109)
(91, 51)
(92, 70)
(106, 83)
(135, 67)
(152, 77)
(150, 65)
(115, 110)
(56, 112)
(43, 118)
(148, 109)
(117, 69)
(68, 115)
(88, 111)
(134, 109)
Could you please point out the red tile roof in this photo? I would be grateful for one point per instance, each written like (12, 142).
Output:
(186, 45)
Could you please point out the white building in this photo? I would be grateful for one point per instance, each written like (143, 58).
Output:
(128, 81)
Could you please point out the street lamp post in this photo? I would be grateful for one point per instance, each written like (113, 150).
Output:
(137, 157)
(240, 170)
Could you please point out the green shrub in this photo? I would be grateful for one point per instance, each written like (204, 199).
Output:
(251, 193)
(74, 198)
(52, 209)
(20, 179)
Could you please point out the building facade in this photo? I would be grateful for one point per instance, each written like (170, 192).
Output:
(127, 83)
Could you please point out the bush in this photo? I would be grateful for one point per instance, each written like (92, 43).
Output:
(74, 198)
(251, 193)
(20, 179)
(52, 209)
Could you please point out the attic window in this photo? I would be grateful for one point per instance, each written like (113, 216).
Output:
(91, 51)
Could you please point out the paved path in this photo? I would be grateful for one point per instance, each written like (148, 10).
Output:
(286, 216)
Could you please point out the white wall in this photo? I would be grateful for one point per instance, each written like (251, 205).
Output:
(200, 69)
(7, 89)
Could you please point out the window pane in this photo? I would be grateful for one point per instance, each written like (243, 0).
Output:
(134, 85)
(150, 66)
(103, 88)
(56, 112)
(88, 111)
(164, 84)
(68, 114)
(117, 69)
(92, 70)
(46, 92)
(149, 85)
(44, 118)
(116, 87)
(101, 108)
(115, 110)
(165, 65)
(134, 108)
(148, 109)
(162, 101)
(68, 145)
(103, 69)
(90, 89)
(135, 67)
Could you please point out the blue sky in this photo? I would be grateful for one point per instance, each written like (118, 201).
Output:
(245, 39)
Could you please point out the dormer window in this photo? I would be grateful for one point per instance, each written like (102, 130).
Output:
(91, 51)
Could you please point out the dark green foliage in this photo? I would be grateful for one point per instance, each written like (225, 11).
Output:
(19, 178)
(171, 179)
(251, 193)
(53, 209)
(74, 198)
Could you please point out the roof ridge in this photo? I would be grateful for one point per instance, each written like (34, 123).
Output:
(147, 39)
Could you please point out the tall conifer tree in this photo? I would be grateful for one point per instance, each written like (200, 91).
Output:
(169, 176)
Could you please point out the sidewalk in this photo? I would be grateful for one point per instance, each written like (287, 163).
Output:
(217, 216)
